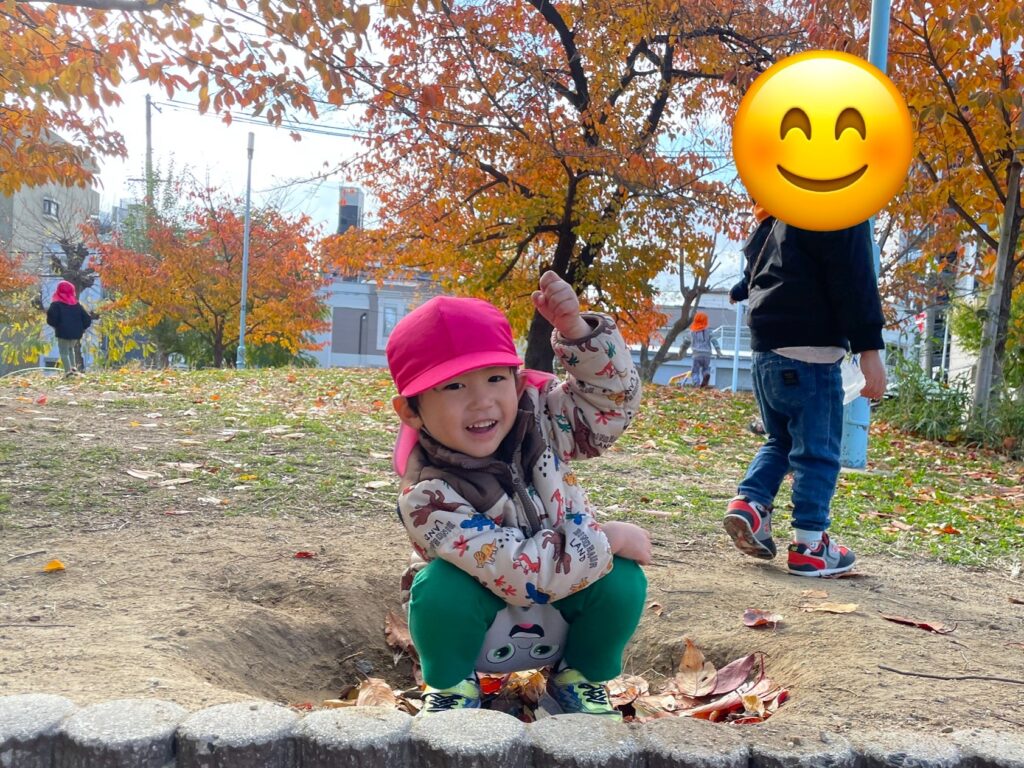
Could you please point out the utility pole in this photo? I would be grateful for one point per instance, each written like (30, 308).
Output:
(149, 155)
(853, 450)
(240, 357)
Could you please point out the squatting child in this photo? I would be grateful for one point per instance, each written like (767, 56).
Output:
(491, 504)
(812, 297)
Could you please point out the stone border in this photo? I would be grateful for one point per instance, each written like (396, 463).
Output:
(46, 731)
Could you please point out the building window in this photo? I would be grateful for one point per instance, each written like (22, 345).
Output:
(389, 312)
(51, 208)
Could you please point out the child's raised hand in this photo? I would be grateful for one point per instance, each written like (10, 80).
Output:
(629, 541)
(558, 304)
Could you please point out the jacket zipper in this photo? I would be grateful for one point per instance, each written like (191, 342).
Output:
(524, 497)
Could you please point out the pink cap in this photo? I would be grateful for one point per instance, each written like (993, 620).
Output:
(445, 337)
(439, 340)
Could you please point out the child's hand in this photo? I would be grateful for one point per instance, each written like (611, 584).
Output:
(557, 303)
(629, 541)
(874, 374)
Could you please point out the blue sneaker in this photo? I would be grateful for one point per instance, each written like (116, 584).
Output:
(575, 694)
(825, 559)
(464, 695)
(749, 525)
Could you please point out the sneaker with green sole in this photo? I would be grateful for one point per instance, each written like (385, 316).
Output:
(464, 695)
(575, 694)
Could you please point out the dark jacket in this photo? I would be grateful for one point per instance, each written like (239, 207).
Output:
(806, 288)
(68, 321)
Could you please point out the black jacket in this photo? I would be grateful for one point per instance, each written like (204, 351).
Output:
(69, 321)
(807, 288)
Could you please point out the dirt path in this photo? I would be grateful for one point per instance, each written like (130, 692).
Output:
(202, 608)
(205, 611)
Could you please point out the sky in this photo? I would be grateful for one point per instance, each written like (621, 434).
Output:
(281, 166)
(214, 151)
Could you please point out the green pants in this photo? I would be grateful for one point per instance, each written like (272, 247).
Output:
(450, 611)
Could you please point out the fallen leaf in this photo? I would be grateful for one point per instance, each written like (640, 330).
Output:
(814, 594)
(1016, 600)
(734, 674)
(178, 512)
(376, 484)
(656, 609)
(752, 704)
(41, 400)
(624, 689)
(211, 500)
(931, 626)
(246, 478)
(830, 607)
(396, 633)
(947, 529)
(183, 466)
(337, 703)
(305, 555)
(143, 474)
(53, 565)
(757, 617)
(695, 676)
(374, 692)
(176, 481)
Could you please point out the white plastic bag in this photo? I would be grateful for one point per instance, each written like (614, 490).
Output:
(853, 378)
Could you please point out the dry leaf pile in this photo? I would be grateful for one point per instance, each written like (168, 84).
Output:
(738, 693)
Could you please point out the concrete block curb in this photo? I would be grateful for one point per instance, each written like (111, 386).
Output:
(30, 727)
(583, 741)
(990, 749)
(791, 745)
(356, 737)
(882, 749)
(475, 738)
(254, 734)
(47, 731)
(683, 742)
(124, 733)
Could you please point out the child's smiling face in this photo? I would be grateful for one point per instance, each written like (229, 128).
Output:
(470, 413)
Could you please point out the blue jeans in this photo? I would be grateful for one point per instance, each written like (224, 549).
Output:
(802, 409)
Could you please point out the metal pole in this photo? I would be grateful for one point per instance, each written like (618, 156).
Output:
(736, 348)
(240, 357)
(853, 451)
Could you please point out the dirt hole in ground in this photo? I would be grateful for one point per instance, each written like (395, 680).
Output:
(301, 645)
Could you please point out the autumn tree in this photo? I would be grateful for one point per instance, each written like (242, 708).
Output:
(20, 330)
(64, 62)
(959, 67)
(694, 274)
(191, 276)
(512, 137)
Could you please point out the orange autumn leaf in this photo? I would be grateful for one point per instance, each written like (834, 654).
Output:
(52, 566)
(695, 676)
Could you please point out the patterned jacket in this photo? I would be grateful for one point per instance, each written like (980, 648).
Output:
(518, 522)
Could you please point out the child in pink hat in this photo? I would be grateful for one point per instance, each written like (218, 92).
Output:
(491, 505)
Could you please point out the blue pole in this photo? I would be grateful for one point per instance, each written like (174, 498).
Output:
(853, 451)
(736, 348)
(240, 357)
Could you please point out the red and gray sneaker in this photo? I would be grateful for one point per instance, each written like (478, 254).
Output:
(825, 559)
(749, 524)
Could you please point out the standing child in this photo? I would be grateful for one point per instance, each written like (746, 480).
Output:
(69, 321)
(490, 502)
(813, 296)
(701, 342)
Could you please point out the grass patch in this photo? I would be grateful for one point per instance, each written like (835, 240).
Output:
(311, 442)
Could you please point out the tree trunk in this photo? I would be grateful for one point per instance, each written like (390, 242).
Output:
(539, 355)
(996, 320)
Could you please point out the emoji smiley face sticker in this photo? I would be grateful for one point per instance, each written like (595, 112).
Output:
(822, 140)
